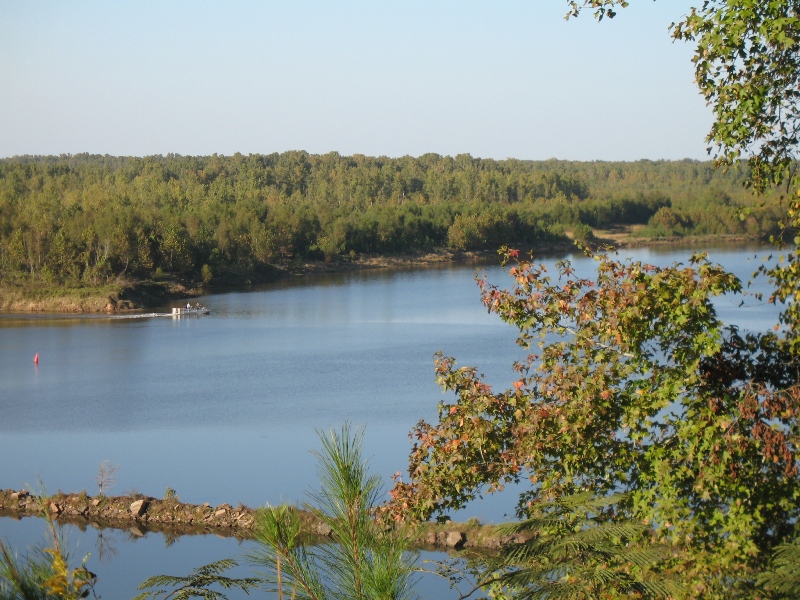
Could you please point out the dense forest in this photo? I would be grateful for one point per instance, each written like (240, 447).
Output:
(84, 219)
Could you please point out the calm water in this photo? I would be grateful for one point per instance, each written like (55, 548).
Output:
(224, 408)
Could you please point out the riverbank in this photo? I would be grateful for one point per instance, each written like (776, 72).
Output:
(140, 514)
(122, 296)
(130, 296)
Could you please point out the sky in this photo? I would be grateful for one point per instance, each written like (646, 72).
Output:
(495, 79)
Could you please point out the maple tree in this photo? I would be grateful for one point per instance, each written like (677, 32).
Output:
(635, 386)
(635, 391)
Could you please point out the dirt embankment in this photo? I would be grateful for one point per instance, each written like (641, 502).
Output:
(135, 295)
(120, 297)
(27, 299)
(140, 514)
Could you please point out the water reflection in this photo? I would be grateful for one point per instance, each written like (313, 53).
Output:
(123, 559)
(106, 545)
(224, 408)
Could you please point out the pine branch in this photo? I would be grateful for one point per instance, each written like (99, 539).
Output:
(197, 584)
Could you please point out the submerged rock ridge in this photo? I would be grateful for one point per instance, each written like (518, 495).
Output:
(121, 511)
(141, 514)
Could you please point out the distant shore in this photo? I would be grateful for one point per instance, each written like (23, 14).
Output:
(131, 296)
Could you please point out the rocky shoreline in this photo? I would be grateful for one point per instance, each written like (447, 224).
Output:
(139, 515)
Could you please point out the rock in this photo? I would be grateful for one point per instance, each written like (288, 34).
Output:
(138, 507)
(516, 538)
(430, 539)
(323, 529)
(33, 506)
(95, 501)
(454, 539)
(206, 505)
(55, 508)
(220, 513)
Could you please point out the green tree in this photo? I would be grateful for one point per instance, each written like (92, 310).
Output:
(666, 221)
(583, 234)
(364, 560)
(143, 257)
(782, 576)
(747, 66)
(466, 233)
(578, 549)
(633, 385)
(16, 255)
(174, 251)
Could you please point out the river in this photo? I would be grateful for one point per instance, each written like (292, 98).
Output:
(225, 407)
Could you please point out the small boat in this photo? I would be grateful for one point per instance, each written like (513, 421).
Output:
(192, 310)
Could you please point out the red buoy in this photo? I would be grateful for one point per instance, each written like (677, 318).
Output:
(36, 359)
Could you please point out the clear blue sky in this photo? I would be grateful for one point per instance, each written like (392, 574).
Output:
(495, 78)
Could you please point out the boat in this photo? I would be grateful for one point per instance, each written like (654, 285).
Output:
(182, 311)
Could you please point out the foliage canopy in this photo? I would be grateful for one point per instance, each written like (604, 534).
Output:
(634, 392)
(80, 220)
(634, 385)
(747, 67)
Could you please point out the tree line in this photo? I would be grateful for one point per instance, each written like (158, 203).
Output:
(82, 219)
